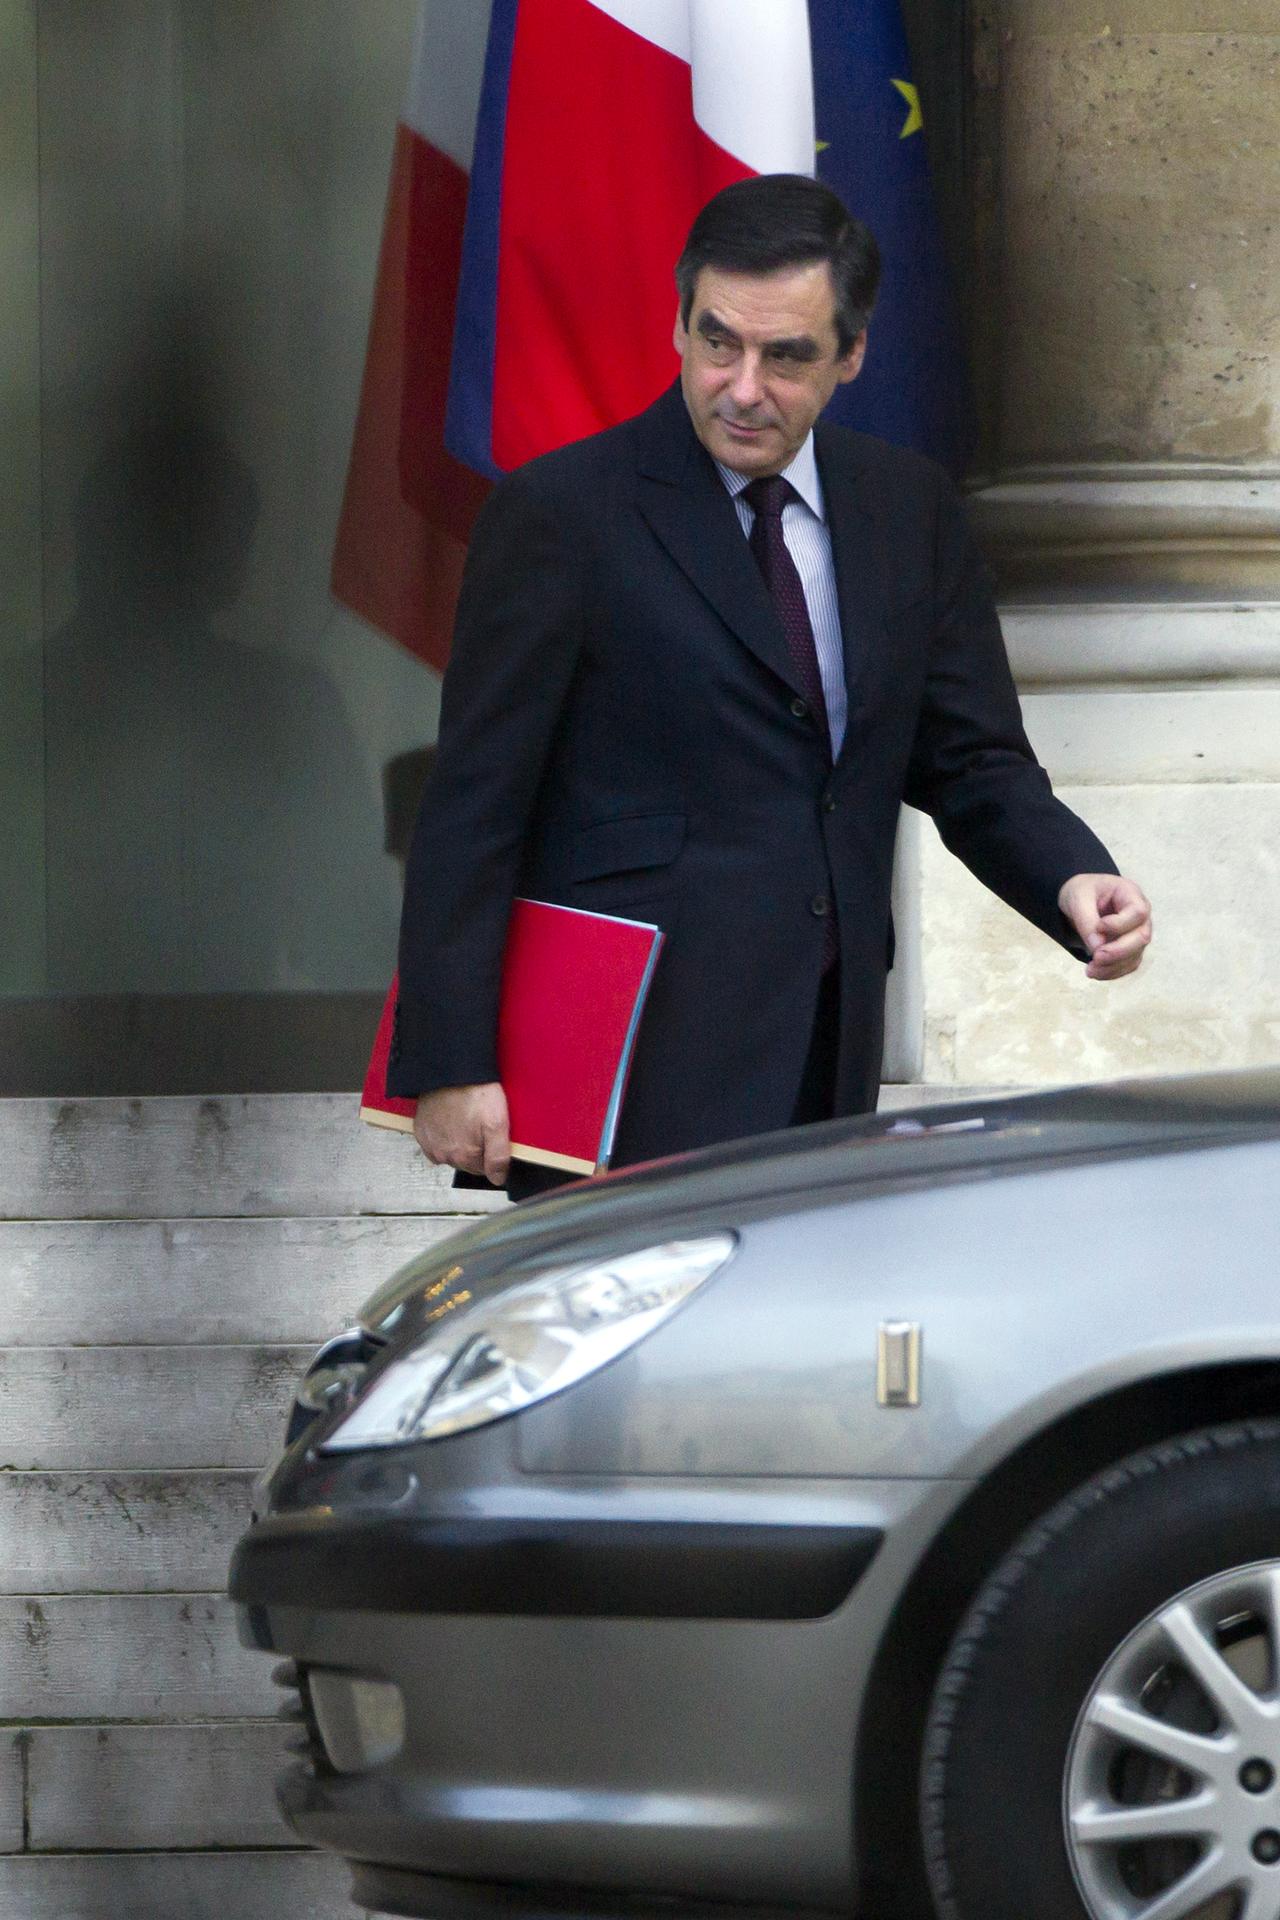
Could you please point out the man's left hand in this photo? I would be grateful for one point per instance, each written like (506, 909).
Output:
(1112, 917)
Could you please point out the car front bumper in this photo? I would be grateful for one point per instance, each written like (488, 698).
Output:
(622, 1692)
(430, 1897)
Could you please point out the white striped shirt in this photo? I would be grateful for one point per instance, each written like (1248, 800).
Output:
(804, 528)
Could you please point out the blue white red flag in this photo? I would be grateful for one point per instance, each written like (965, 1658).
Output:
(574, 141)
(409, 506)
(604, 126)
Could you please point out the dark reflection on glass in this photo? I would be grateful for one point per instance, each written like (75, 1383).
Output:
(209, 823)
(404, 781)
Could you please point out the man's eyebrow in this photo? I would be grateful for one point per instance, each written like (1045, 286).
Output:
(801, 346)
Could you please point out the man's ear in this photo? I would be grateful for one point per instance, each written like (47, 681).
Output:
(850, 366)
(679, 336)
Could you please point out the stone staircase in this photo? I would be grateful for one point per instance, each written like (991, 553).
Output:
(166, 1265)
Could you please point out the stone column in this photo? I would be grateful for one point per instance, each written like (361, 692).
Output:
(1132, 512)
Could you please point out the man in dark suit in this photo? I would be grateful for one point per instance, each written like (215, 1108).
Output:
(700, 660)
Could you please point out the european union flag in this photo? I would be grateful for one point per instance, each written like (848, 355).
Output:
(913, 387)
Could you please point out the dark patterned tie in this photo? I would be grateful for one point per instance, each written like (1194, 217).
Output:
(767, 498)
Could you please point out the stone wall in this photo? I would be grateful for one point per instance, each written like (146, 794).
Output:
(1132, 511)
(1140, 157)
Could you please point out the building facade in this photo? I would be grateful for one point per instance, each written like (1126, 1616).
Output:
(196, 742)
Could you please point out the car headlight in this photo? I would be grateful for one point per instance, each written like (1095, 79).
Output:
(516, 1348)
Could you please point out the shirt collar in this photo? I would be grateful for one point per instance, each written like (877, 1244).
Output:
(802, 473)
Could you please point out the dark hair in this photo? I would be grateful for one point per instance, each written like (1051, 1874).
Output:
(779, 220)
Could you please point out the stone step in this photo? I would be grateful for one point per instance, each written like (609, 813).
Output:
(169, 1282)
(249, 1155)
(199, 1785)
(128, 1656)
(246, 1155)
(13, 1806)
(145, 1408)
(120, 1532)
(185, 1157)
(175, 1886)
(895, 1095)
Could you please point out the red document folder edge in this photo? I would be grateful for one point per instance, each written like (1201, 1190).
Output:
(574, 986)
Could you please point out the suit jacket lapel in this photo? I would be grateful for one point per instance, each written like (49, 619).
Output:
(688, 507)
(860, 553)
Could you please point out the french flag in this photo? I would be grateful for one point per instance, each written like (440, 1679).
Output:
(604, 126)
(549, 163)
(409, 506)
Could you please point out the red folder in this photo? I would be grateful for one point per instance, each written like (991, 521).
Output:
(574, 986)
(377, 1106)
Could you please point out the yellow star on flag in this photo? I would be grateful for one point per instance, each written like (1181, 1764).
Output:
(915, 119)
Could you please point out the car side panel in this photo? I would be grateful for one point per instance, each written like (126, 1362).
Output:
(1033, 1292)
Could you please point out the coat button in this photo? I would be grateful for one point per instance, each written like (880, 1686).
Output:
(828, 803)
(820, 906)
(799, 707)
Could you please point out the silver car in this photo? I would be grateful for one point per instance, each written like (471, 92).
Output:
(881, 1518)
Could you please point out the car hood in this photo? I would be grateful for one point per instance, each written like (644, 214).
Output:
(728, 1186)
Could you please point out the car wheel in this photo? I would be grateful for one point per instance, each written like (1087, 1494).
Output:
(1104, 1737)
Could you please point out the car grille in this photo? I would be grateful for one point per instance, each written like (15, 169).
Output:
(296, 1709)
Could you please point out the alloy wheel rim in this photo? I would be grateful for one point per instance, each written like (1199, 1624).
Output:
(1171, 1800)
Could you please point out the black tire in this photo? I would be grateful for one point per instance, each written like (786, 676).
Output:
(1042, 1628)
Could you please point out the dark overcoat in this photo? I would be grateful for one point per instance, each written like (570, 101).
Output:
(622, 730)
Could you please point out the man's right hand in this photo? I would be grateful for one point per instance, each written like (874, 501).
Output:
(467, 1128)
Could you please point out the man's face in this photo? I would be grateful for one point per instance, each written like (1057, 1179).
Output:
(759, 360)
